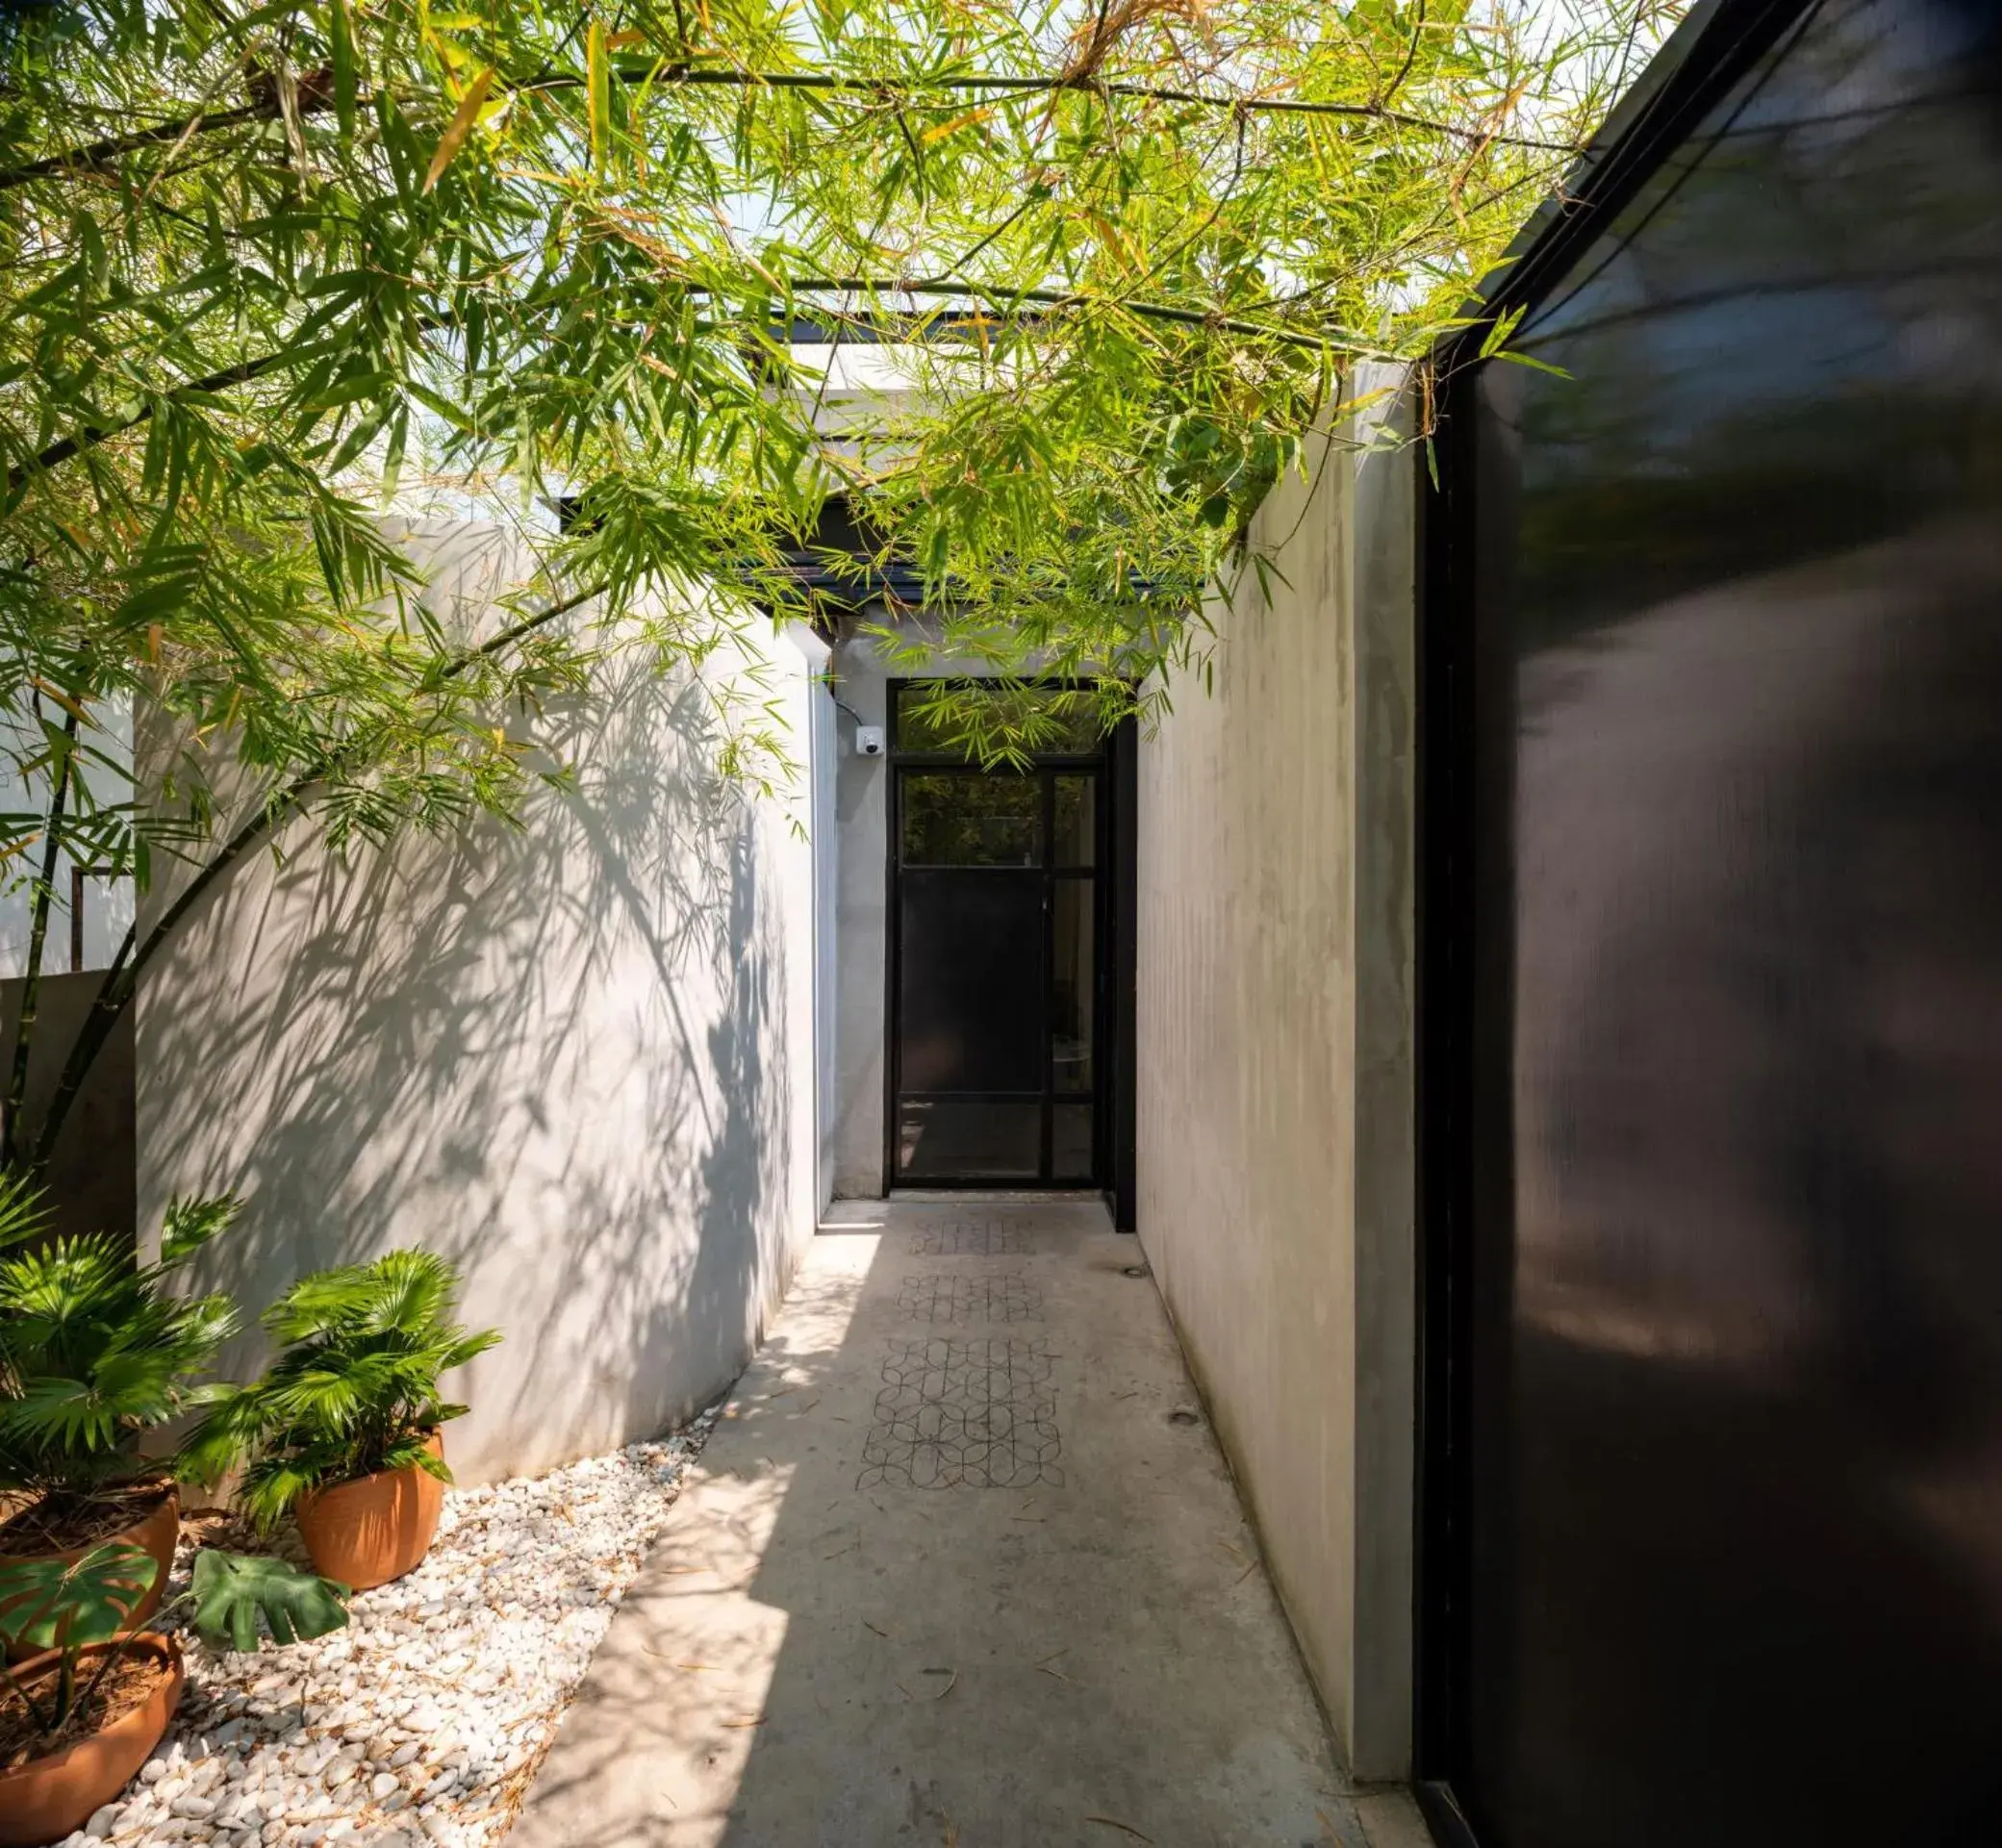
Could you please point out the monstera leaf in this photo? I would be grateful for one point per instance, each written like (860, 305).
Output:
(73, 1602)
(232, 1590)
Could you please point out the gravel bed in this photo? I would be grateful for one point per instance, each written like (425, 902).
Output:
(425, 1719)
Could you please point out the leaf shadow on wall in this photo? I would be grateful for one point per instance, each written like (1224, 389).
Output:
(554, 1052)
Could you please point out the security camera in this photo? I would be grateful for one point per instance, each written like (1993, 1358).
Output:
(869, 741)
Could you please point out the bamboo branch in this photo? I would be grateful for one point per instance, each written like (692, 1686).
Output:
(247, 373)
(83, 1049)
(122, 980)
(318, 100)
(91, 435)
(251, 370)
(1072, 298)
(114, 146)
(38, 938)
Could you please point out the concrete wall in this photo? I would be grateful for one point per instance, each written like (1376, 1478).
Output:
(1274, 1080)
(577, 1057)
(861, 925)
(824, 749)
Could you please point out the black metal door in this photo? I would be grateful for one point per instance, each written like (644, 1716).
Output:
(997, 982)
(1714, 991)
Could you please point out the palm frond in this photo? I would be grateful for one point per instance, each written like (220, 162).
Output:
(96, 1352)
(190, 1222)
(24, 1212)
(355, 1390)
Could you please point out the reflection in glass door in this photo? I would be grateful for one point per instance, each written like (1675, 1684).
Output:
(998, 974)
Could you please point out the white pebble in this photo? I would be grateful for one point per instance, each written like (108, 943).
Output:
(453, 1679)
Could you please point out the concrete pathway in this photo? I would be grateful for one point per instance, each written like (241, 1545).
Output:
(961, 1566)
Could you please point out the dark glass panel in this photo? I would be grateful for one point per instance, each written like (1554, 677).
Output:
(971, 1000)
(1070, 1142)
(1073, 984)
(947, 1138)
(958, 719)
(1734, 1373)
(1075, 822)
(951, 819)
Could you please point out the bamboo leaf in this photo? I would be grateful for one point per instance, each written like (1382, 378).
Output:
(342, 33)
(459, 127)
(598, 93)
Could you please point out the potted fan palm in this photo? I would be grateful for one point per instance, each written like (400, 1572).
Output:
(97, 1354)
(86, 1708)
(342, 1431)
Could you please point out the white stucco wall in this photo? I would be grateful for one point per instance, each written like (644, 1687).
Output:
(1275, 1018)
(577, 1057)
(862, 924)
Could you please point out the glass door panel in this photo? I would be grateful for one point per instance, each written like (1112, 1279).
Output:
(950, 1138)
(970, 998)
(1075, 820)
(953, 818)
(995, 981)
(1074, 984)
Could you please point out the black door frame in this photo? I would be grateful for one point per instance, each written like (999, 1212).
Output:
(1113, 770)
(1463, 901)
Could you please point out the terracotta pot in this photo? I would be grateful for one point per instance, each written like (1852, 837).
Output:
(154, 1536)
(45, 1799)
(375, 1528)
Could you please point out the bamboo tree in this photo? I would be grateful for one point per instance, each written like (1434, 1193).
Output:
(267, 271)
(61, 754)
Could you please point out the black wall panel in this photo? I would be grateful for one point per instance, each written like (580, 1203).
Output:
(1716, 905)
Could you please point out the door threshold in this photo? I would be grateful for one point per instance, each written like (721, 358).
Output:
(1050, 1196)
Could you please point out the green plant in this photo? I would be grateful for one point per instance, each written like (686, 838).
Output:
(69, 1605)
(265, 270)
(95, 1353)
(355, 1389)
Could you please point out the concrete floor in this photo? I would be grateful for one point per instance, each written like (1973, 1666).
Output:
(961, 1566)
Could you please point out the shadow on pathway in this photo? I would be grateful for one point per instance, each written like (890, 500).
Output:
(961, 1566)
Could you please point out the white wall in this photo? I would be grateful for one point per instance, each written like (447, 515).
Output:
(578, 1057)
(824, 749)
(862, 786)
(1275, 1099)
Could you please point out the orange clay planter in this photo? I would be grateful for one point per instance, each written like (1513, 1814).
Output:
(375, 1528)
(45, 1799)
(154, 1536)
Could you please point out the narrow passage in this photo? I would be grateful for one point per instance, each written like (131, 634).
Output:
(961, 1566)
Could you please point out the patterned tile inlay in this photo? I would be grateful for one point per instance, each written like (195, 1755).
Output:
(984, 1295)
(964, 1414)
(971, 1238)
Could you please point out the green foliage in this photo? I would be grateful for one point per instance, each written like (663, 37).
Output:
(73, 1604)
(50, 1600)
(233, 1591)
(266, 271)
(96, 1350)
(355, 1388)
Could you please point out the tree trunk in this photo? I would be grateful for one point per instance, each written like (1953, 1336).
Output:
(38, 937)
